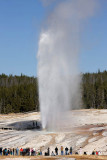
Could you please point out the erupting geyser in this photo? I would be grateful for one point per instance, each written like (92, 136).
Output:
(58, 53)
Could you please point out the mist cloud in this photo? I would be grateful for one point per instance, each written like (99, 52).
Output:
(58, 57)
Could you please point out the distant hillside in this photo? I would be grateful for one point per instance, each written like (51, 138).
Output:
(20, 93)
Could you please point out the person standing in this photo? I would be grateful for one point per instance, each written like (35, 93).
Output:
(62, 152)
(66, 151)
(80, 151)
(56, 151)
(6, 153)
(10, 151)
(21, 151)
(52, 154)
(40, 151)
(34, 152)
(13, 151)
(70, 150)
(96, 152)
(30, 151)
(48, 152)
(1, 150)
(17, 151)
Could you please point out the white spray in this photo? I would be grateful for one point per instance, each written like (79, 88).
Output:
(58, 53)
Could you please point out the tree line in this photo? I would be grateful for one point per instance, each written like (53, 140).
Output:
(94, 90)
(20, 93)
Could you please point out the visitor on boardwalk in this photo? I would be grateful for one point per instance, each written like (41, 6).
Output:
(70, 150)
(31, 151)
(17, 151)
(99, 153)
(5, 152)
(21, 151)
(8, 151)
(40, 151)
(62, 152)
(56, 151)
(66, 151)
(34, 152)
(80, 151)
(96, 152)
(48, 151)
(13, 151)
(85, 153)
(1, 150)
(52, 154)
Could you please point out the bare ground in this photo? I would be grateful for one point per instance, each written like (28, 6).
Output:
(90, 132)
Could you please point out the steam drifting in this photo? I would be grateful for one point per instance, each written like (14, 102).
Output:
(58, 53)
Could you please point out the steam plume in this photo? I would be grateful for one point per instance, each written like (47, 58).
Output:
(58, 53)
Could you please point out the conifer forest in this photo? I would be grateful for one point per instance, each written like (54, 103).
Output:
(20, 93)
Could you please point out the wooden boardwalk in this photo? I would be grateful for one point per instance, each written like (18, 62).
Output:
(69, 157)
